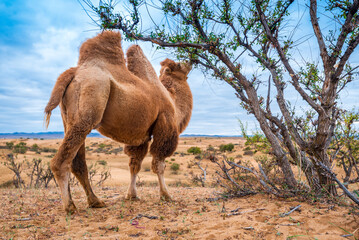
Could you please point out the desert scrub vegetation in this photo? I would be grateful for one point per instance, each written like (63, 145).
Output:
(105, 148)
(99, 172)
(194, 150)
(240, 177)
(35, 148)
(48, 150)
(20, 148)
(256, 142)
(210, 148)
(9, 145)
(175, 167)
(37, 173)
(226, 147)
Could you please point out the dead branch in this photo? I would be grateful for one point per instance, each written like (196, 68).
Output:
(204, 170)
(287, 213)
(261, 181)
(236, 210)
(139, 216)
(347, 235)
(227, 176)
(23, 219)
(247, 211)
(341, 185)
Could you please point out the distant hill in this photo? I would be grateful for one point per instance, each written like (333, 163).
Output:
(54, 135)
(214, 136)
(44, 135)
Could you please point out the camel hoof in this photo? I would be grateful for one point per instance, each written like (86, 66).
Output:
(166, 198)
(70, 209)
(97, 204)
(132, 198)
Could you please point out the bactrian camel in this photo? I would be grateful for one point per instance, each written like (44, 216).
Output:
(129, 104)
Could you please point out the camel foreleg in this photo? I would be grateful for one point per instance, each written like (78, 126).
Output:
(136, 154)
(165, 140)
(158, 167)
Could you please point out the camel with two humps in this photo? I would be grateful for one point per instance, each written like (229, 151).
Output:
(127, 103)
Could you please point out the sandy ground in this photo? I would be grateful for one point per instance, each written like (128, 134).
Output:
(38, 214)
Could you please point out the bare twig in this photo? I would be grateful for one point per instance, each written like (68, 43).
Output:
(23, 219)
(341, 185)
(347, 235)
(247, 211)
(139, 216)
(236, 210)
(287, 213)
(204, 170)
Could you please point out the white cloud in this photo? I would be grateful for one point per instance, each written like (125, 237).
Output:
(27, 77)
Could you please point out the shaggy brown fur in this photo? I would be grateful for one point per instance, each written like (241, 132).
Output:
(127, 106)
(139, 65)
(174, 77)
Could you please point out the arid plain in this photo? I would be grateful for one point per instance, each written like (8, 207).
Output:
(196, 212)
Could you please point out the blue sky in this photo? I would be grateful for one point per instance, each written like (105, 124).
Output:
(40, 39)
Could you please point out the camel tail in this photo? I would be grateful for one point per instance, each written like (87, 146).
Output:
(58, 92)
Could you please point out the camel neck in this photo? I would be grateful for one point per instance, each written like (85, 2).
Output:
(182, 97)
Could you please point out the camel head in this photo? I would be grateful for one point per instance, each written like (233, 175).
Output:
(175, 70)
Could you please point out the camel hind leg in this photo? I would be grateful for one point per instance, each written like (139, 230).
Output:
(165, 140)
(136, 154)
(61, 163)
(84, 111)
(79, 169)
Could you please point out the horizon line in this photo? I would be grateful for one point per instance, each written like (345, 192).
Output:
(95, 134)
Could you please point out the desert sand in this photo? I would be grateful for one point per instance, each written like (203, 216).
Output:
(195, 212)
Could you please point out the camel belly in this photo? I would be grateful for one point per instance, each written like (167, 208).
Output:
(132, 133)
(128, 118)
(126, 137)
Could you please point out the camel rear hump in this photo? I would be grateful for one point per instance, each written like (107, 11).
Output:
(58, 92)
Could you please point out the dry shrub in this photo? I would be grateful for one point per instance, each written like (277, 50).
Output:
(249, 153)
(16, 168)
(199, 179)
(40, 175)
(240, 178)
(98, 172)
